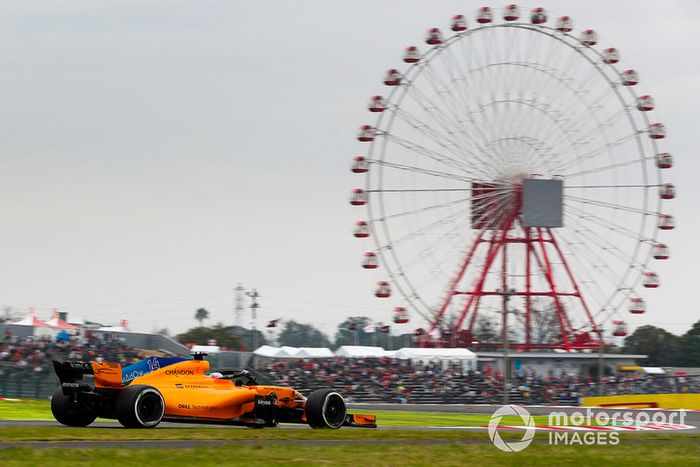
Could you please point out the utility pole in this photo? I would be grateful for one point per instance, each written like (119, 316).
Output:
(239, 307)
(506, 294)
(601, 364)
(254, 316)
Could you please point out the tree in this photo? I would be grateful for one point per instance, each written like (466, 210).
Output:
(231, 337)
(487, 331)
(9, 314)
(200, 315)
(662, 347)
(544, 323)
(690, 347)
(302, 335)
(350, 332)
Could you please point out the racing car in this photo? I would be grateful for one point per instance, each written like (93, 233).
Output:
(180, 390)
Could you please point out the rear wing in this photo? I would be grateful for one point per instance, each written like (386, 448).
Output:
(70, 374)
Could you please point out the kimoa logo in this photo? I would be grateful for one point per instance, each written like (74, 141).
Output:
(495, 422)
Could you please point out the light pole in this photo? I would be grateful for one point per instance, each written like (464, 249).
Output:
(254, 316)
(506, 294)
(601, 364)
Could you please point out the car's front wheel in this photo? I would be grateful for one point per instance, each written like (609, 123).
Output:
(325, 408)
(139, 406)
(69, 412)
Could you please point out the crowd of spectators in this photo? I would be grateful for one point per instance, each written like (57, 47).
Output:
(392, 380)
(368, 379)
(34, 354)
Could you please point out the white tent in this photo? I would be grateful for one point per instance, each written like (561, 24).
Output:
(653, 370)
(359, 351)
(432, 354)
(111, 329)
(208, 349)
(31, 320)
(288, 352)
(314, 352)
(276, 352)
(267, 351)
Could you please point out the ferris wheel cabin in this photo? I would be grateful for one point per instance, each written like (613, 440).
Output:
(565, 24)
(484, 15)
(511, 12)
(361, 229)
(458, 23)
(411, 54)
(538, 16)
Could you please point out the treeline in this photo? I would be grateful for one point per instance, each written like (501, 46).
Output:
(665, 348)
(357, 330)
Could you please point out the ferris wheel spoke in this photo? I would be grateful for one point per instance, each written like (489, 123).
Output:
(613, 186)
(464, 213)
(423, 209)
(591, 237)
(604, 168)
(604, 204)
(451, 236)
(421, 170)
(448, 121)
(610, 225)
(449, 102)
(418, 190)
(443, 140)
(601, 149)
(603, 244)
(432, 154)
(585, 262)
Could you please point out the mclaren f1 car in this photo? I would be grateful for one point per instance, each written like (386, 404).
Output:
(179, 390)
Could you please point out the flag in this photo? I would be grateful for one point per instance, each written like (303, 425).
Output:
(272, 323)
(369, 328)
(385, 329)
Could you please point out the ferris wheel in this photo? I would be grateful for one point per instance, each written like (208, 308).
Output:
(513, 168)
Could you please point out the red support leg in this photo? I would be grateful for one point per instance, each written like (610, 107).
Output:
(455, 282)
(594, 326)
(561, 313)
(493, 252)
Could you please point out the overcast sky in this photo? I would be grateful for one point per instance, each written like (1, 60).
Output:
(153, 154)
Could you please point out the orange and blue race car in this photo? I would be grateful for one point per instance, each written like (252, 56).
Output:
(179, 390)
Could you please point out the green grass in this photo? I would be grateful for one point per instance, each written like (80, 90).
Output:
(25, 410)
(389, 454)
(354, 447)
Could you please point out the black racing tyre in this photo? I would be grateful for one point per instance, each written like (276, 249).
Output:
(325, 408)
(69, 412)
(139, 406)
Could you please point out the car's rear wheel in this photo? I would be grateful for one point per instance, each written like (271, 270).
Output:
(69, 412)
(139, 406)
(325, 408)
